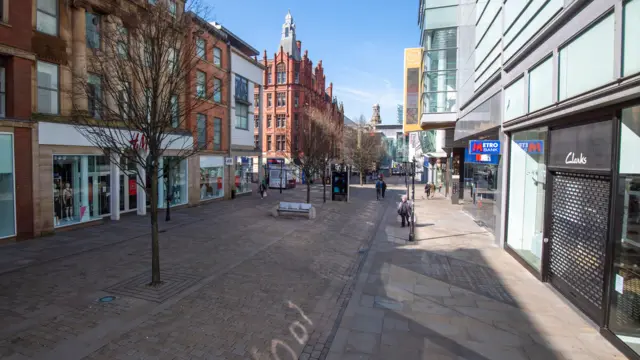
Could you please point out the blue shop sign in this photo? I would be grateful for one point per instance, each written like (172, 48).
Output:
(487, 159)
(484, 146)
(531, 146)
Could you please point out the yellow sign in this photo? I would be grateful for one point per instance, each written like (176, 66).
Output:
(412, 86)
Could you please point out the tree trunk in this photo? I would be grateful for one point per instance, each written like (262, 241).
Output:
(361, 178)
(155, 245)
(324, 185)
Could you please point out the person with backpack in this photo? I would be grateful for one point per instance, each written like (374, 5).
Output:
(378, 189)
(384, 187)
(404, 210)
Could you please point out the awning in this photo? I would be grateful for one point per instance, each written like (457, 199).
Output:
(436, 121)
(437, 154)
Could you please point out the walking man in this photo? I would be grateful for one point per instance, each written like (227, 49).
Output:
(378, 189)
(404, 210)
(383, 186)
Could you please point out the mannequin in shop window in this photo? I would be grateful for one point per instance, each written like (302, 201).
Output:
(67, 195)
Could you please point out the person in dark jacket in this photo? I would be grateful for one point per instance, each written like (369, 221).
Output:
(404, 210)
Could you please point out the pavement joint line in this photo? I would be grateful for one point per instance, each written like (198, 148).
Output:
(78, 349)
(347, 290)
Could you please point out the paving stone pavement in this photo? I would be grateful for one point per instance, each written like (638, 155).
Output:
(256, 285)
(453, 294)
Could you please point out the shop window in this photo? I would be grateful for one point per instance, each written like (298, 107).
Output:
(7, 187)
(631, 33)
(514, 100)
(242, 179)
(47, 17)
(201, 130)
(81, 188)
(201, 46)
(47, 88)
(541, 85)
(211, 177)
(242, 116)
(217, 90)
(217, 56)
(92, 30)
(217, 134)
(579, 70)
(175, 183)
(527, 195)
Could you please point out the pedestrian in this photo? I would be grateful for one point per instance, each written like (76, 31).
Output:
(378, 189)
(263, 189)
(384, 186)
(404, 210)
(433, 190)
(427, 190)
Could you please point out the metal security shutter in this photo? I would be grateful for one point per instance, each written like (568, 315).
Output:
(578, 236)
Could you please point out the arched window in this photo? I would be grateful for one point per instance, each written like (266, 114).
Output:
(281, 73)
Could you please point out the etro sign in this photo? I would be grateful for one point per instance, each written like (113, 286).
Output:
(586, 147)
(484, 147)
(531, 146)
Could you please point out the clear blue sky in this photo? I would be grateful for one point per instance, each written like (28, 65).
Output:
(360, 42)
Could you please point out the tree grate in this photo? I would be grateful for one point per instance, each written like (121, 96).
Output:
(138, 286)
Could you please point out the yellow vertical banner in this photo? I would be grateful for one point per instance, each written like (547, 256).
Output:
(412, 67)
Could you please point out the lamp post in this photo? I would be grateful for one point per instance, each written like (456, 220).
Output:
(412, 227)
(168, 191)
(281, 166)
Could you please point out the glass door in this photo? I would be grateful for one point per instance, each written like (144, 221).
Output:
(128, 192)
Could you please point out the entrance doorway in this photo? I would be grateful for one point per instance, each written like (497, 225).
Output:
(128, 192)
(578, 232)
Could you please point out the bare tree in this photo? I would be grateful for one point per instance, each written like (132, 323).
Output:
(313, 147)
(140, 102)
(361, 147)
(326, 151)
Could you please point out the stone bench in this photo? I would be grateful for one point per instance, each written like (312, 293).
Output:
(291, 208)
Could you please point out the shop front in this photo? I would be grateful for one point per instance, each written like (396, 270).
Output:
(7, 187)
(172, 181)
(243, 177)
(211, 177)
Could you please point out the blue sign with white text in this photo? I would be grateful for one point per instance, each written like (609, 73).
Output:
(531, 146)
(484, 147)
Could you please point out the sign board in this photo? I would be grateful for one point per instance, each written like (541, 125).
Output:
(275, 161)
(484, 147)
(228, 161)
(585, 147)
(482, 159)
(531, 146)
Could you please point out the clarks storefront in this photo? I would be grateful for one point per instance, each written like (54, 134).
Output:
(574, 214)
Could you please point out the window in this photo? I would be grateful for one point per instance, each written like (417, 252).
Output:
(540, 85)
(201, 131)
(269, 100)
(296, 100)
(256, 101)
(217, 134)
(201, 80)
(200, 48)
(123, 42)
(124, 99)
(440, 67)
(147, 96)
(172, 62)
(296, 123)
(281, 99)
(92, 30)
(4, 13)
(297, 73)
(148, 53)
(47, 17)
(576, 60)
(281, 73)
(295, 142)
(94, 95)
(268, 142)
(514, 105)
(153, 2)
(175, 111)
(256, 121)
(268, 121)
(217, 90)
(217, 56)
(3, 94)
(172, 7)
(281, 121)
(242, 88)
(242, 116)
(269, 76)
(631, 45)
(47, 88)
(280, 143)
(256, 141)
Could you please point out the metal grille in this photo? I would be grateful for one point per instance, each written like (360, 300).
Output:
(578, 233)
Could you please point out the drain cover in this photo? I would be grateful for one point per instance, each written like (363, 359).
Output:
(106, 299)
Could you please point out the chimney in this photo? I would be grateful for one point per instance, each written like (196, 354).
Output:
(330, 90)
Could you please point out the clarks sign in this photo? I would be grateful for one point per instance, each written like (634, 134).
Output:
(585, 147)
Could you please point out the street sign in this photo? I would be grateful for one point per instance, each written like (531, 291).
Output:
(228, 161)
(484, 147)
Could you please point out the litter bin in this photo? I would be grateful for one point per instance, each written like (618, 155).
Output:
(455, 193)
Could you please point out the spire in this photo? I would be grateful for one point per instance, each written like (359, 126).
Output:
(288, 39)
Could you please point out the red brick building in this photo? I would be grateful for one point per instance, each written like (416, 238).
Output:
(291, 84)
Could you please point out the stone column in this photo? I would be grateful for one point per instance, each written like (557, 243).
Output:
(79, 59)
(115, 187)
(140, 192)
